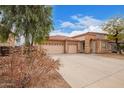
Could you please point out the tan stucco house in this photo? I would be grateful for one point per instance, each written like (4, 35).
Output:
(90, 42)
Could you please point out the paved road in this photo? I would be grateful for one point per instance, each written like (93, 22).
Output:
(88, 70)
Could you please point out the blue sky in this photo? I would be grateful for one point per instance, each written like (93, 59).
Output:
(71, 20)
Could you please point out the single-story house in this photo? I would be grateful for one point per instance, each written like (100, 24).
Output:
(90, 42)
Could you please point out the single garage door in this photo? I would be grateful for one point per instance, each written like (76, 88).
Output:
(93, 46)
(54, 48)
(72, 48)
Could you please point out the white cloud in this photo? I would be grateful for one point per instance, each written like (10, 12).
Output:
(77, 32)
(73, 33)
(59, 32)
(76, 17)
(86, 20)
(90, 21)
(82, 24)
(67, 24)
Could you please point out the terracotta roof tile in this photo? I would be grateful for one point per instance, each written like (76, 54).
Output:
(89, 33)
(59, 37)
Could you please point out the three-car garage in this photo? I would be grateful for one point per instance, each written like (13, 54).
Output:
(60, 46)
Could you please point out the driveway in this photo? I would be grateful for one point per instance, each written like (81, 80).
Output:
(90, 70)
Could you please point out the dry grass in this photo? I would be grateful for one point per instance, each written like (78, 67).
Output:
(29, 69)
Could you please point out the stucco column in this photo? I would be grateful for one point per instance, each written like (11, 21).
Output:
(87, 46)
(78, 47)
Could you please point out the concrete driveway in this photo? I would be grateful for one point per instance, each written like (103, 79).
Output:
(90, 70)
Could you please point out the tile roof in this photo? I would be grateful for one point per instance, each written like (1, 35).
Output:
(62, 38)
(89, 33)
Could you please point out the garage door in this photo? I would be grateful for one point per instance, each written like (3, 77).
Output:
(93, 46)
(54, 48)
(72, 49)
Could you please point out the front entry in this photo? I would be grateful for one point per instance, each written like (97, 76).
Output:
(82, 46)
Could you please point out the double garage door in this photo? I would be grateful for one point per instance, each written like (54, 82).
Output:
(59, 48)
(54, 48)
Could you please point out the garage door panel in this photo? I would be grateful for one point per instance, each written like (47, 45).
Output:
(72, 49)
(54, 48)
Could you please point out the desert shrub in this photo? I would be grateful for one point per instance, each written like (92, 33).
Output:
(26, 67)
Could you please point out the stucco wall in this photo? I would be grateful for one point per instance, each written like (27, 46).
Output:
(80, 38)
(91, 45)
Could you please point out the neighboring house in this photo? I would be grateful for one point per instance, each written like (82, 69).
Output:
(90, 42)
